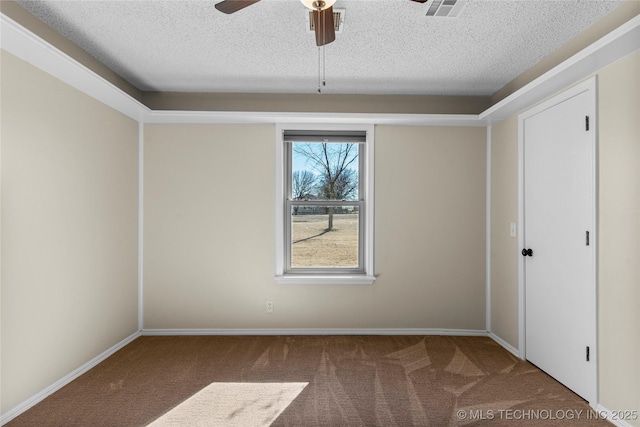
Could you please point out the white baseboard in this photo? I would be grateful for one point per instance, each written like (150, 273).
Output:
(33, 400)
(511, 349)
(313, 331)
(614, 417)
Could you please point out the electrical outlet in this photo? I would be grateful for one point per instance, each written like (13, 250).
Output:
(269, 307)
(513, 229)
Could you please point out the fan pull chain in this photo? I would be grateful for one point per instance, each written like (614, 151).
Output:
(324, 67)
(319, 55)
(324, 43)
(322, 63)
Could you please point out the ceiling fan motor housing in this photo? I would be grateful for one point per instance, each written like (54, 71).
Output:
(318, 4)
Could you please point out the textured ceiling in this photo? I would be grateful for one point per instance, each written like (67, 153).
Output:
(386, 46)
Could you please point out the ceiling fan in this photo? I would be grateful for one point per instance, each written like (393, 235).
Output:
(322, 15)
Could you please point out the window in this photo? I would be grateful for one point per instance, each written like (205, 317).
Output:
(324, 200)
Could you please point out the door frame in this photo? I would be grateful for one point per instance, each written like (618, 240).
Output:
(590, 87)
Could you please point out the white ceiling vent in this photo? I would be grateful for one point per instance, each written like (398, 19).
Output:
(338, 20)
(446, 8)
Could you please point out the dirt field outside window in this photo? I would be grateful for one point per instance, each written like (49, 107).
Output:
(314, 246)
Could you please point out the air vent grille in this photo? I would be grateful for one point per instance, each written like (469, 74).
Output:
(446, 8)
(338, 21)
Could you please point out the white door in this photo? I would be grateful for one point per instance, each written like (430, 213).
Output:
(559, 272)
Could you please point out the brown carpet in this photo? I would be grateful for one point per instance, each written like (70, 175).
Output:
(352, 381)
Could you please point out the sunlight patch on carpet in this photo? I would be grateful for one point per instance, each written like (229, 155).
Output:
(233, 404)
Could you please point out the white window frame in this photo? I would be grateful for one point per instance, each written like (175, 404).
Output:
(366, 277)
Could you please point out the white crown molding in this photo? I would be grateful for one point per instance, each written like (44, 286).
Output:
(31, 48)
(35, 399)
(249, 117)
(610, 48)
(24, 44)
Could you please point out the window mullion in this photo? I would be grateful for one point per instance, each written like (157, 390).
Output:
(325, 202)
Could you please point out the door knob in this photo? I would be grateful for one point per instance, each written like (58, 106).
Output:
(527, 252)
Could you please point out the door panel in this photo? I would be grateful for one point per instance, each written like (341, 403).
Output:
(558, 212)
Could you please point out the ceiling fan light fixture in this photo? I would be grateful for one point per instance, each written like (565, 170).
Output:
(318, 4)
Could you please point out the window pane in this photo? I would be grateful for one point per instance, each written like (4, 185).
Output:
(324, 236)
(324, 171)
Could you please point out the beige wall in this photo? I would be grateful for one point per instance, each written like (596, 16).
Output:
(504, 248)
(69, 221)
(430, 227)
(208, 226)
(619, 234)
(619, 223)
(209, 239)
(331, 103)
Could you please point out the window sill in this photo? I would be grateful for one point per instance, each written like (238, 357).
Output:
(324, 280)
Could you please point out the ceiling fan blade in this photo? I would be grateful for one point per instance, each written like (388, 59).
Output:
(232, 6)
(324, 26)
(421, 1)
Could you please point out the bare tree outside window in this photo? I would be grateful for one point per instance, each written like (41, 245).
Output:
(303, 186)
(335, 165)
(345, 186)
